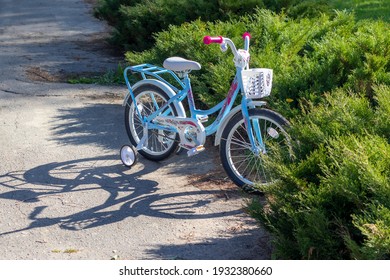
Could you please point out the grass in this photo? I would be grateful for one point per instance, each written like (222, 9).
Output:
(111, 77)
(67, 251)
(365, 9)
(71, 251)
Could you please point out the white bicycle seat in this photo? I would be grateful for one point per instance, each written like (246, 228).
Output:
(179, 64)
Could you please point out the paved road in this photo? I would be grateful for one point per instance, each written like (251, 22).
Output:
(64, 193)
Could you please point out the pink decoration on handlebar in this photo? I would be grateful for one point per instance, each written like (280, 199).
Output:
(209, 40)
(246, 34)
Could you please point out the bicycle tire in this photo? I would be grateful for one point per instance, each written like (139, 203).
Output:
(235, 148)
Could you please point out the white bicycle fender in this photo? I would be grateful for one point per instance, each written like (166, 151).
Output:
(169, 91)
(225, 121)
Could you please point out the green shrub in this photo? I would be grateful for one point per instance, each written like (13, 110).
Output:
(309, 56)
(311, 8)
(374, 225)
(298, 8)
(365, 9)
(333, 200)
(109, 9)
(382, 118)
(136, 21)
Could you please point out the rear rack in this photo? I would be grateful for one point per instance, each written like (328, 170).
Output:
(149, 70)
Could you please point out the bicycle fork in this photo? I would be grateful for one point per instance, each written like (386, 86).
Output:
(253, 130)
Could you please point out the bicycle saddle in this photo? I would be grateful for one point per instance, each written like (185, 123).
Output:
(179, 64)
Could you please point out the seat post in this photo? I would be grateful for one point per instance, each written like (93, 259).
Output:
(183, 74)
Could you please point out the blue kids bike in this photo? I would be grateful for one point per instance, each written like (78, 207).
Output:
(157, 123)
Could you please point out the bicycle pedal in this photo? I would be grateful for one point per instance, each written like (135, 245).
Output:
(195, 151)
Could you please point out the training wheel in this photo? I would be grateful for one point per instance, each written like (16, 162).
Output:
(128, 155)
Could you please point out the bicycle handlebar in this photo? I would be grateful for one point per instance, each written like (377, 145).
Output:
(247, 37)
(207, 40)
(246, 34)
(210, 40)
(221, 40)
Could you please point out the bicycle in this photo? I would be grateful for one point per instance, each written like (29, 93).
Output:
(157, 124)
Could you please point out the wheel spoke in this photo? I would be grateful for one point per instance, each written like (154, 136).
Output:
(246, 145)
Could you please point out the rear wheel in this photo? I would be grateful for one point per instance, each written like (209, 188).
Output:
(160, 143)
(245, 167)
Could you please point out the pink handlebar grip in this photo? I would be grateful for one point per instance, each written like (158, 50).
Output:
(246, 34)
(209, 40)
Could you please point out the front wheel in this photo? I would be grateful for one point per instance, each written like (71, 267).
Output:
(244, 166)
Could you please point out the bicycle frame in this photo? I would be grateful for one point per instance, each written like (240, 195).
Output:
(223, 107)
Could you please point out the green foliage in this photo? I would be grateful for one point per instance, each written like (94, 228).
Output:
(383, 111)
(136, 21)
(333, 200)
(309, 56)
(109, 9)
(374, 224)
(364, 9)
(299, 8)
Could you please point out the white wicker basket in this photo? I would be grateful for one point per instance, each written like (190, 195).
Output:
(257, 82)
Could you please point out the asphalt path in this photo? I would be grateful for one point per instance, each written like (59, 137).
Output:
(64, 193)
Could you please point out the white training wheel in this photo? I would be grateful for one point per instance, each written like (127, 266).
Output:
(128, 155)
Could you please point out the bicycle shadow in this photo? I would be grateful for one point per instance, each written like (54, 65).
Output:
(98, 191)
(127, 194)
(102, 124)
